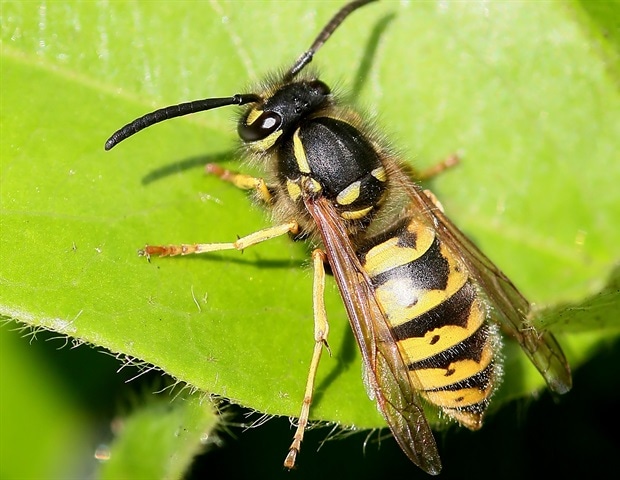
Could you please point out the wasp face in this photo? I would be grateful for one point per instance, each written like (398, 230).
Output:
(265, 122)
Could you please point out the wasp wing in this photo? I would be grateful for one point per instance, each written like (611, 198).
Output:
(385, 371)
(509, 306)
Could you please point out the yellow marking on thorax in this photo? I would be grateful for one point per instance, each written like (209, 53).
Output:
(388, 255)
(356, 214)
(294, 191)
(300, 153)
(379, 173)
(349, 194)
(310, 185)
(437, 340)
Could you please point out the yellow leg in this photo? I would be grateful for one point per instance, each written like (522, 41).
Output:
(240, 244)
(432, 171)
(241, 180)
(436, 169)
(321, 328)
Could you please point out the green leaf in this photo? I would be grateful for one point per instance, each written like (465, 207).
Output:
(40, 422)
(176, 432)
(524, 94)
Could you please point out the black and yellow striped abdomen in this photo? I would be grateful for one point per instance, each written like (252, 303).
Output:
(437, 318)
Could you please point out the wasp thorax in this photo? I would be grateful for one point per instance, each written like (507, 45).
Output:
(276, 115)
(338, 158)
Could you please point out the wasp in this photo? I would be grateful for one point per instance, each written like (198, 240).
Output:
(426, 306)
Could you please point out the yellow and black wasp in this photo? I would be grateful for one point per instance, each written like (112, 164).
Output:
(424, 303)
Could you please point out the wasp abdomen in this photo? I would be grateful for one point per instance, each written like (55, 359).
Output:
(436, 317)
(341, 160)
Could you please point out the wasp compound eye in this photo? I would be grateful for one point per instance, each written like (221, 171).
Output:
(260, 127)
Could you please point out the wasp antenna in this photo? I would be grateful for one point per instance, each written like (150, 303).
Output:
(327, 31)
(176, 111)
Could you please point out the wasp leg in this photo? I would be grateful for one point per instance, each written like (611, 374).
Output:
(241, 180)
(439, 167)
(434, 170)
(321, 328)
(241, 244)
